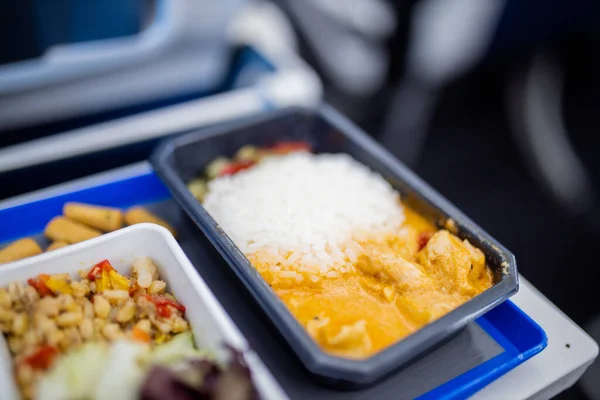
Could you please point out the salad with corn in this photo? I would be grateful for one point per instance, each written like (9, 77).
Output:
(99, 335)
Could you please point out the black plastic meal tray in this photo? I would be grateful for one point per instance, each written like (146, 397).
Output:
(179, 160)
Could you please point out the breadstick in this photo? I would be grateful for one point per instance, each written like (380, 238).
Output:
(103, 218)
(19, 249)
(61, 228)
(57, 245)
(138, 215)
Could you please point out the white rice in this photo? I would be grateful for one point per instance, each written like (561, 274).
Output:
(302, 212)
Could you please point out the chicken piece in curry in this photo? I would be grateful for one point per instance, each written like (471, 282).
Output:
(399, 284)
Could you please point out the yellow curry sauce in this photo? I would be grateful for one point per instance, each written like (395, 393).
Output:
(395, 289)
(397, 284)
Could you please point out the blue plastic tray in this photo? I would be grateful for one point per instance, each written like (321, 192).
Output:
(515, 336)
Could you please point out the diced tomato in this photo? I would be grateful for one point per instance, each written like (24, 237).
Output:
(140, 335)
(169, 302)
(96, 270)
(163, 310)
(42, 358)
(236, 167)
(164, 301)
(133, 289)
(39, 285)
(288, 147)
(424, 239)
(103, 265)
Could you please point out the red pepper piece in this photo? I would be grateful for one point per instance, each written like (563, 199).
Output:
(424, 239)
(236, 167)
(40, 286)
(42, 358)
(97, 269)
(163, 301)
(288, 147)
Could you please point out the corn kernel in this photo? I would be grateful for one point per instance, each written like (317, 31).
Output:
(5, 300)
(180, 325)
(72, 337)
(101, 306)
(112, 331)
(80, 289)
(48, 306)
(156, 287)
(144, 325)
(20, 324)
(24, 374)
(126, 312)
(46, 325)
(99, 324)
(162, 326)
(5, 327)
(86, 328)
(15, 289)
(69, 319)
(30, 295)
(31, 338)
(55, 337)
(16, 344)
(65, 301)
(88, 308)
(145, 271)
(116, 296)
(6, 315)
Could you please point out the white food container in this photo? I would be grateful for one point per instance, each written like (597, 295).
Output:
(210, 324)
